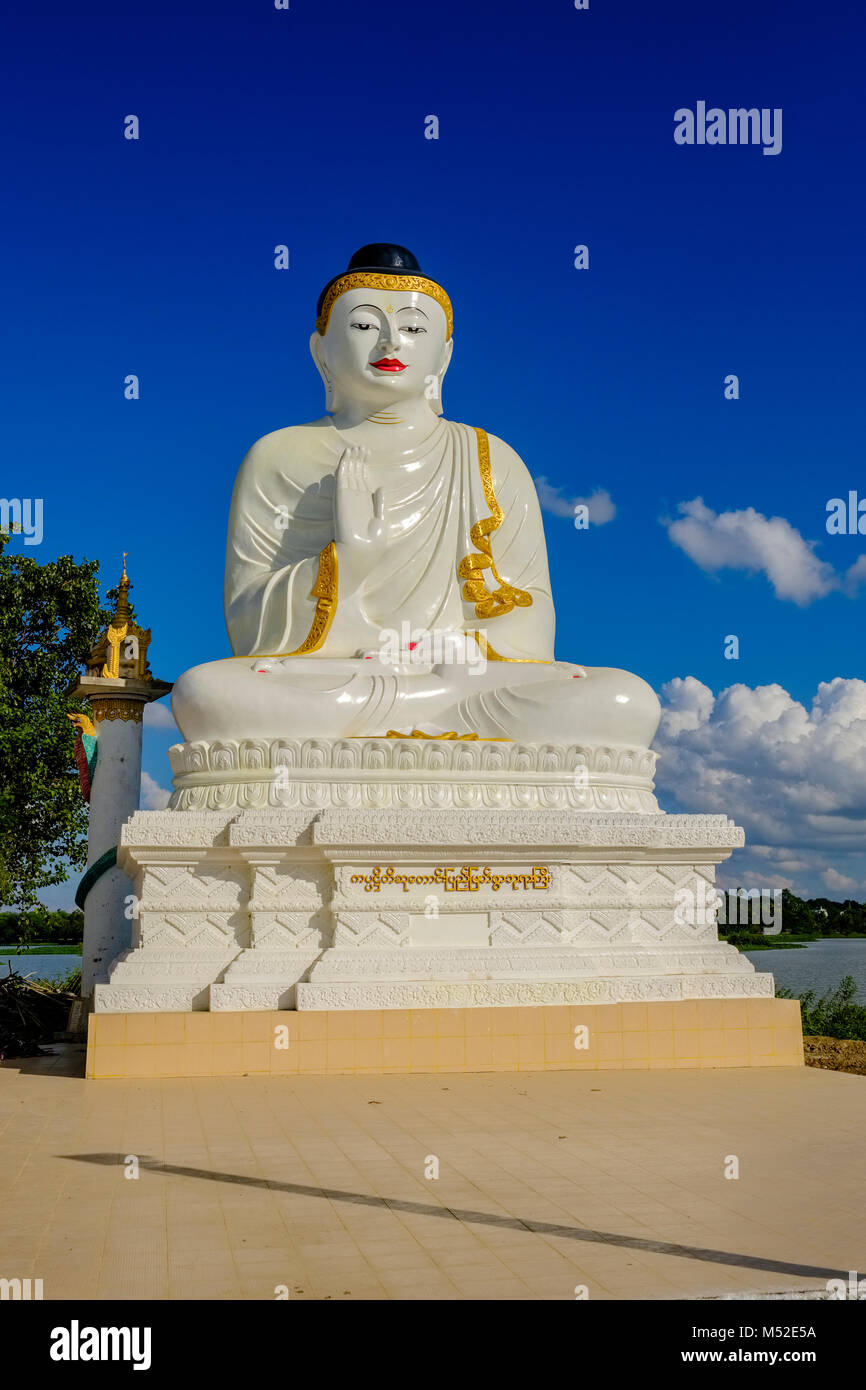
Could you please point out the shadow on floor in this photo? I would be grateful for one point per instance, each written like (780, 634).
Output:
(58, 1059)
(478, 1218)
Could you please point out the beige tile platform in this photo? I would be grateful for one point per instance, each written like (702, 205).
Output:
(547, 1182)
(620, 1037)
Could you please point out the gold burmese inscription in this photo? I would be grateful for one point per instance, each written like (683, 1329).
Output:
(467, 878)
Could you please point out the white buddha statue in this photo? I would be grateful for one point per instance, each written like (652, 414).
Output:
(386, 569)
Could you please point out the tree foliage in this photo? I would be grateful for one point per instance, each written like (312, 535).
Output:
(799, 917)
(50, 616)
(42, 925)
(834, 1015)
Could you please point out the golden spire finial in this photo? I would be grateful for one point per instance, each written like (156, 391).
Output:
(121, 608)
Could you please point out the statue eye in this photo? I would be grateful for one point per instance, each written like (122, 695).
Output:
(411, 328)
(363, 326)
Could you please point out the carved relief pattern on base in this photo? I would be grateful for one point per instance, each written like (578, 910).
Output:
(411, 774)
(238, 907)
(480, 993)
(370, 928)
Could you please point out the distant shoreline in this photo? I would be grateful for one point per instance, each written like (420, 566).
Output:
(53, 948)
(785, 941)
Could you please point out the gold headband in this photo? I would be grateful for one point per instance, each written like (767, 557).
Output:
(376, 280)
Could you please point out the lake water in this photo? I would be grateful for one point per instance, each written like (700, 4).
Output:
(818, 966)
(42, 967)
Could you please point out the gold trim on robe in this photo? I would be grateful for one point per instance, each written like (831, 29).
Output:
(506, 596)
(325, 592)
(491, 654)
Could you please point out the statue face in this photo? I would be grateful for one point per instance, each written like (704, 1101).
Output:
(383, 346)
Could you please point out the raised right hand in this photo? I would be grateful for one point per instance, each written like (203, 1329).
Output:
(359, 519)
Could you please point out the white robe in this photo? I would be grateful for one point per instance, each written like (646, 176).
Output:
(282, 516)
(440, 508)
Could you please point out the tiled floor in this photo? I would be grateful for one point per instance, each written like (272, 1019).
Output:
(547, 1182)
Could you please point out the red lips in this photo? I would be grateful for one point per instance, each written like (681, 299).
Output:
(389, 364)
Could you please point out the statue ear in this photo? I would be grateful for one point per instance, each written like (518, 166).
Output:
(316, 349)
(446, 359)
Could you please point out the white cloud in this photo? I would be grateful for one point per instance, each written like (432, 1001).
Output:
(855, 576)
(159, 716)
(840, 883)
(747, 540)
(599, 504)
(793, 777)
(153, 796)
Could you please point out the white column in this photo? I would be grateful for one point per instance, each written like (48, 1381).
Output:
(113, 799)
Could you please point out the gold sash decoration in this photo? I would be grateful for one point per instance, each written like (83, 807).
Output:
(416, 733)
(491, 654)
(325, 592)
(506, 597)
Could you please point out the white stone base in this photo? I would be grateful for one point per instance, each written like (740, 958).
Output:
(410, 774)
(444, 994)
(359, 908)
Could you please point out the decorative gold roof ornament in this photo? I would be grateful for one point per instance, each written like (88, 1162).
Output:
(121, 651)
(121, 609)
(116, 707)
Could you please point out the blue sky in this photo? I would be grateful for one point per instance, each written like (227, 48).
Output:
(306, 127)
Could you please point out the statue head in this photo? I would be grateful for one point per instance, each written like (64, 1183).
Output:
(383, 332)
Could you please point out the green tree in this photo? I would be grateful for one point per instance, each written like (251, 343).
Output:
(797, 916)
(50, 616)
(834, 1015)
(852, 919)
